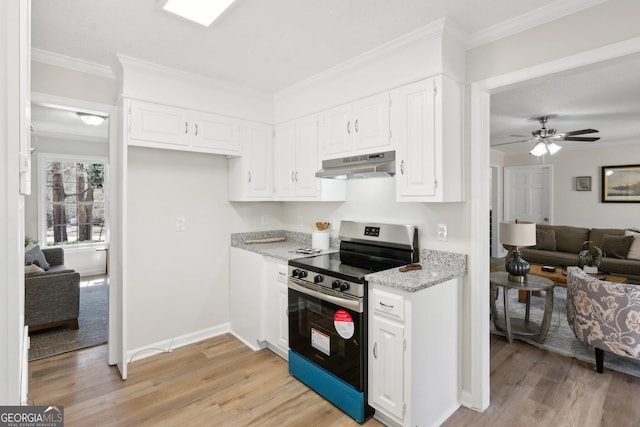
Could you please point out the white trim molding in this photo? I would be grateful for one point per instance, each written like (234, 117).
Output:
(52, 58)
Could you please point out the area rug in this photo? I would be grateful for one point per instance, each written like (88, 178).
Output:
(93, 327)
(560, 338)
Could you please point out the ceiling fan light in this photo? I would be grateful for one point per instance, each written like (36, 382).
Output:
(553, 148)
(540, 149)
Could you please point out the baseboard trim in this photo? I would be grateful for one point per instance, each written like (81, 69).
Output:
(167, 345)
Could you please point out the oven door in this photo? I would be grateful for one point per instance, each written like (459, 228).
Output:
(329, 331)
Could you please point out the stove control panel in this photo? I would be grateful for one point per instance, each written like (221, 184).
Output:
(326, 281)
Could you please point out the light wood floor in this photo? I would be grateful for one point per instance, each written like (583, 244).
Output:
(218, 382)
(222, 382)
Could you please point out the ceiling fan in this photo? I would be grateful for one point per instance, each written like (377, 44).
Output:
(545, 139)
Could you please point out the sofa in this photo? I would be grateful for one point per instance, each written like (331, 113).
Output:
(559, 245)
(52, 291)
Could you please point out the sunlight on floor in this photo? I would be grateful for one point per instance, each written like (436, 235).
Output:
(97, 280)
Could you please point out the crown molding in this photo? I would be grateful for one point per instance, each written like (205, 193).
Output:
(529, 20)
(435, 29)
(51, 58)
(150, 67)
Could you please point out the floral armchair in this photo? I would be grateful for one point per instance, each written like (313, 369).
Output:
(605, 315)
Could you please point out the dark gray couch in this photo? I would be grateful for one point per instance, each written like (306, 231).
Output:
(52, 297)
(568, 242)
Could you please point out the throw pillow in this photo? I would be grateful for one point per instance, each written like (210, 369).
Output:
(36, 256)
(616, 246)
(32, 268)
(545, 240)
(634, 250)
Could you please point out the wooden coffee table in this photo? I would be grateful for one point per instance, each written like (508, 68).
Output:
(560, 279)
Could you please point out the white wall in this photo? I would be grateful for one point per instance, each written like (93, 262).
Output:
(584, 208)
(178, 281)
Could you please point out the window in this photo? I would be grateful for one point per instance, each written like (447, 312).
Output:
(74, 205)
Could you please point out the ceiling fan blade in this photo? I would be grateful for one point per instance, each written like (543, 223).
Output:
(578, 138)
(577, 132)
(511, 142)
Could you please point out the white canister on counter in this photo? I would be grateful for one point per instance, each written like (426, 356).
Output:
(320, 239)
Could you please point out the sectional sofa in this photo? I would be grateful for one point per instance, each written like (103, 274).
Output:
(559, 245)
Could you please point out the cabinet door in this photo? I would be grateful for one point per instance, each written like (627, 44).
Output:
(282, 337)
(306, 156)
(215, 133)
(246, 289)
(336, 132)
(414, 129)
(386, 366)
(371, 122)
(258, 149)
(284, 159)
(154, 123)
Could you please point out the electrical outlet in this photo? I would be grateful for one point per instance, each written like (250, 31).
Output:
(442, 232)
(181, 223)
(265, 219)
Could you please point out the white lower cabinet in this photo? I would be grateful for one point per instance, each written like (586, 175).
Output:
(247, 282)
(276, 314)
(414, 354)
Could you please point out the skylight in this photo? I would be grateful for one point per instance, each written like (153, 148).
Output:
(204, 12)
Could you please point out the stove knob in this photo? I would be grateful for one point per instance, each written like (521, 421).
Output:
(317, 279)
(295, 272)
(335, 284)
(344, 286)
(302, 274)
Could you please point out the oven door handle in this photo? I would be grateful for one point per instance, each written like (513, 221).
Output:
(354, 305)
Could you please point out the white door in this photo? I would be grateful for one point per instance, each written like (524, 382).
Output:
(336, 131)
(527, 193)
(284, 159)
(259, 150)
(387, 365)
(371, 122)
(414, 130)
(306, 156)
(215, 132)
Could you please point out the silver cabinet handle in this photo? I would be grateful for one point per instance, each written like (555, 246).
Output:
(186, 128)
(402, 167)
(196, 129)
(375, 350)
(292, 178)
(356, 125)
(249, 176)
(296, 176)
(349, 127)
(385, 305)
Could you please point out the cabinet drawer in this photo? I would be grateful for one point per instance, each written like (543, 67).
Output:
(388, 304)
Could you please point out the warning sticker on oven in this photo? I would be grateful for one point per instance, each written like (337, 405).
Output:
(344, 324)
(321, 341)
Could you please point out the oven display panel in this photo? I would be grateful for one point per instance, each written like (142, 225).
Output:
(372, 231)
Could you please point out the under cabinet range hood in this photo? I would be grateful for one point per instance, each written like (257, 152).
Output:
(358, 167)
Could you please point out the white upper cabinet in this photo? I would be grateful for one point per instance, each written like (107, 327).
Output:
(360, 127)
(296, 163)
(251, 175)
(162, 126)
(426, 121)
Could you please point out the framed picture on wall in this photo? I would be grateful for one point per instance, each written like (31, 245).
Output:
(621, 184)
(583, 183)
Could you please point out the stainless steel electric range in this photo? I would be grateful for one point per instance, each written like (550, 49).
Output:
(328, 310)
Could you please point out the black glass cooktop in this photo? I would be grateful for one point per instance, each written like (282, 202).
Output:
(346, 265)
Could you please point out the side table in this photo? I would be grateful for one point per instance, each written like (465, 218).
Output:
(510, 325)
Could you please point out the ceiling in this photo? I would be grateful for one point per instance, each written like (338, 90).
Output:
(265, 45)
(605, 98)
(271, 45)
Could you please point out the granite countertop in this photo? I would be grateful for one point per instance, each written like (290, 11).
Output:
(437, 267)
(284, 250)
